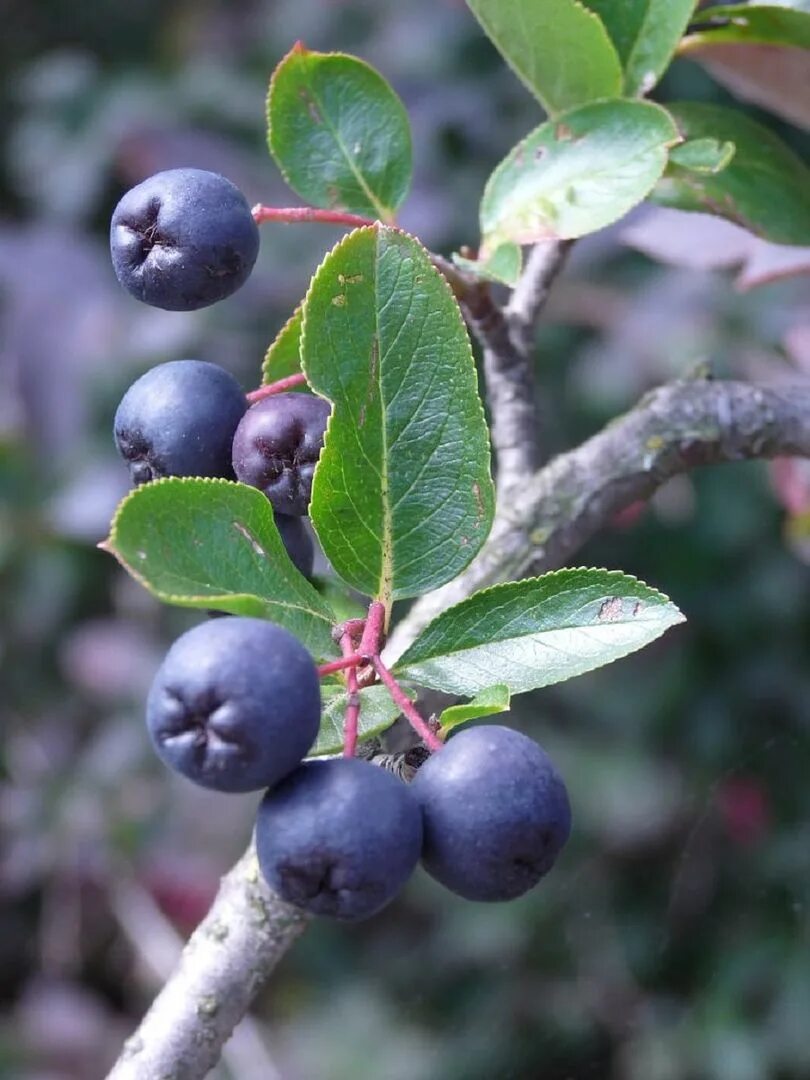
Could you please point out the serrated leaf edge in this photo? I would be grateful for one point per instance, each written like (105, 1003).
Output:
(180, 600)
(275, 343)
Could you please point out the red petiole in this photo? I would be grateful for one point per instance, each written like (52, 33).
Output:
(290, 214)
(277, 387)
(371, 632)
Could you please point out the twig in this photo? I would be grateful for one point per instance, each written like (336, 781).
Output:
(529, 296)
(506, 337)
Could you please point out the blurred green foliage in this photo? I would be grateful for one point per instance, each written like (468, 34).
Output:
(671, 941)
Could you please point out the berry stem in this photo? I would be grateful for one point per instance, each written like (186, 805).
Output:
(277, 387)
(262, 214)
(352, 715)
(371, 642)
(401, 699)
(350, 660)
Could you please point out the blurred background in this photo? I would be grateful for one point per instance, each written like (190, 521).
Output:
(672, 941)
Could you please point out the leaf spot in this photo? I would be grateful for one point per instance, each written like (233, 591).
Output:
(563, 133)
(611, 609)
(339, 300)
(251, 539)
(312, 108)
(350, 279)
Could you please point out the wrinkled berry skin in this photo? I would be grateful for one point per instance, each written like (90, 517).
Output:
(277, 445)
(183, 239)
(297, 542)
(235, 705)
(495, 813)
(179, 419)
(338, 838)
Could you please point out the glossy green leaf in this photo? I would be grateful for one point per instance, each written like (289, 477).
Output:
(490, 702)
(377, 712)
(646, 34)
(503, 265)
(532, 633)
(753, 24)
(703, 155)
(559, 49)
(339, 133)
(402, 498)
(577, 174)
(764, 188)
(202, 543)
(283, 358)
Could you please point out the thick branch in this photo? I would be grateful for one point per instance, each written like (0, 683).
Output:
(672, 430)
(227, 959)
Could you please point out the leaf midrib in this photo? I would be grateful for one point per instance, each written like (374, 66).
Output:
(381, 210)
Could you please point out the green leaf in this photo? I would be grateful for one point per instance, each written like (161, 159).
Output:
(402, 498)
(283, 358)
(753, 24)
(503, 265)
(377, 712)
(203, 543)
(558, 48)
(764, 188)
(646, 34)
(703, 155)
(577, 174)
(536, 632)
(339, 133)
(492, 700)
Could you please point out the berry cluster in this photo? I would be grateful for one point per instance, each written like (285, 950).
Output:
(236, 704)
(181, 240)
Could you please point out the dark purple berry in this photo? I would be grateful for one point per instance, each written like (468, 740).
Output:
(183, 239)
(277, 445)
(297, 542)
(235, 705)
(495, 811)
(338, 837)
(179, 420)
